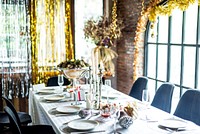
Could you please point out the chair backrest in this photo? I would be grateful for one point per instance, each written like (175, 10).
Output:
(15, 128)
(189, 106)
(163, 97)
(53, 81)
(138, 86)
(11, 106)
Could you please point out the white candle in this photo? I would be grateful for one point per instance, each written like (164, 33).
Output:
(97, 62)
(93, 62)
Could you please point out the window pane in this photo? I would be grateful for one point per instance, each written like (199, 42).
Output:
(151, 61)
(85, 10)
(191, 24)
(175, 64)
(176, 26)
(163, 29)
(162, 62)
(189, 66)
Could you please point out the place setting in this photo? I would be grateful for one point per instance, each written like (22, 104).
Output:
(83, 124)
(46, 91)
(56, 98)
(65, 110)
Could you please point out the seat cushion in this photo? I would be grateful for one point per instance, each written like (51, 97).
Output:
(37, 129)
(24, 118)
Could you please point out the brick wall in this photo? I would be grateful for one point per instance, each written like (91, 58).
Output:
(128, 11)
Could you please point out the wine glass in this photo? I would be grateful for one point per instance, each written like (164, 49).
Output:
(115, 115)
(145, 97)
(87, 75)
(108, 84)
(60, 82)
(145, 100)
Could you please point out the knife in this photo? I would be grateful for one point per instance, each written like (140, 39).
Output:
(87, 132)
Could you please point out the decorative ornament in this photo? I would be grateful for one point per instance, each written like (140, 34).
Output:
(131, 110)
(125, 121)
(84, 113)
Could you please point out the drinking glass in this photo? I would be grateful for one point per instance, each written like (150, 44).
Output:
(108, 83)
(115, 115)
(60, 82)
(145, 100)
(145, 97)
(87, 75)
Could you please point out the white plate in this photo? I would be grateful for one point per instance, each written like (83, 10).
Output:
(54, 97)
(46, 91)
(110, 95)
(68, 109)
(83, 124)
(173, 123)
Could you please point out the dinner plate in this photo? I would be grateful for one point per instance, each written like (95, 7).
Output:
(83, 124)
(68, 109)
(173, 123)
(56, 97)
(46, 91)
(110, 95)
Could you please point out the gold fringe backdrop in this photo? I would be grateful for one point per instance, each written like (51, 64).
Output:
(151, 12)
(51, 37)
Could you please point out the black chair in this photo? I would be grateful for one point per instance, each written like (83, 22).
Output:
(53, 81)
(188, 107)
(18, 129)
(24, 118)
(138, 86)
(163, 97)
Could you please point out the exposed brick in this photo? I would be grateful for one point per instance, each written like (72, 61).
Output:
(128, 11)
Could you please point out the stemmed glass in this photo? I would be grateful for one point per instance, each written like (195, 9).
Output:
(108, 83)
(60, 82)
(145, 100)
(87, 77)
(145, 97)
(115, 115)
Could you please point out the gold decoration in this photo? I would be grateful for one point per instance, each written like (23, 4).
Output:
(68, 31)
(151, 12)
(46, 15)
(131, 110)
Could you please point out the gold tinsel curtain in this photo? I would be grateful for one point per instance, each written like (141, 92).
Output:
(51, 37)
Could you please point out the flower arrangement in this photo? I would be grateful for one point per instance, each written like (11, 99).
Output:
(101, 32)
(104, 34)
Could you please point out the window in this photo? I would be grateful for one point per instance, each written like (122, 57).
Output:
(173, 54)
(85, 10)
(15, 49)
(13, 36)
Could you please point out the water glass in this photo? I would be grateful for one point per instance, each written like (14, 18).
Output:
(145, 96)
(60, 82)
(87, 75)
(108, 83)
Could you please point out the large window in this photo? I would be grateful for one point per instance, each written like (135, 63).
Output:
(14, 49)
(172, 54)
(85, 10)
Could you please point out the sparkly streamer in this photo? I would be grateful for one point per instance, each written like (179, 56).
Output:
(46, 32)
(68, 31)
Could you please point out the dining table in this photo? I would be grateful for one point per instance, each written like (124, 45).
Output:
(149, 120)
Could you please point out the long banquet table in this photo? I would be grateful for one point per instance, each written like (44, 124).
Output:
(147, 121)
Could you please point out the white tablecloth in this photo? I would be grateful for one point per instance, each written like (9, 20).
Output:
(39, 111)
